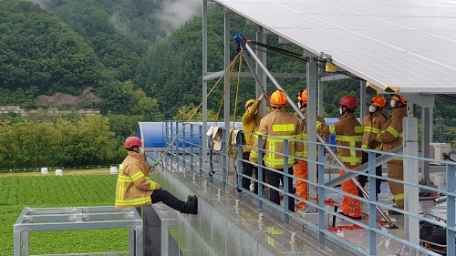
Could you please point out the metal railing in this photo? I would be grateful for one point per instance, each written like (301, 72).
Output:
(187, 155)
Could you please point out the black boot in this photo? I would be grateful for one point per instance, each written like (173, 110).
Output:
(191, 206)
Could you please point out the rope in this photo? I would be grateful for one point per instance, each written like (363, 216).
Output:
(196, 110)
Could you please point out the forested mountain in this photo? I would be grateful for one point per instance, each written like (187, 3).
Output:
(141, 57)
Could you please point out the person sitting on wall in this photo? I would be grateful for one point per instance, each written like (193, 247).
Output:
(135, 189)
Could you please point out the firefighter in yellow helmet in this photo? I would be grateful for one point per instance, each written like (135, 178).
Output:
(274, 128)
(372, 124)
(391, 137)
(250, 122)
(136, 189)
(349, 133)
(300, 168)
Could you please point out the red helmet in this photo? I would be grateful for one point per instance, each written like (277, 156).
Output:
(132, 142)
(302, 96)
(349, 102)
(378, 101)
(397, 97)
(278, 99)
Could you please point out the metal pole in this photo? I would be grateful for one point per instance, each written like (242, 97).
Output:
(204, 89)
(320, 139)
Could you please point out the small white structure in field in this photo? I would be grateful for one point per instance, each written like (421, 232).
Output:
(58, 172)
(113, 170)
(44, 170)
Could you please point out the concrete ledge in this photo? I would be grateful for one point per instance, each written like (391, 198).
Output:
(224, 228)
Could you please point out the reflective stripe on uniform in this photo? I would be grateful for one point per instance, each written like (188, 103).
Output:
(393, 131)
(398, 197)
(133, 202)
(352, 140)
(283, 127)
(137, 176)
(371, 129)
(332, 129)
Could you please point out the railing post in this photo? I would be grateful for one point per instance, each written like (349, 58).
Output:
(191, 148)
(450, 218)
(201, 141)
(321, 191)
(260, 171)
(286, 193)
(372, 209)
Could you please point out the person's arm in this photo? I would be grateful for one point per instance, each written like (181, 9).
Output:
(261, 131)
(140, 181)
(392, 131)
(250, 113)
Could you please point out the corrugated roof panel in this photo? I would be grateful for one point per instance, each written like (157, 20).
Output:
(410, 44)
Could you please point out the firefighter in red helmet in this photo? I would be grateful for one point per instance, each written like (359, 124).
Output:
(274, 129)
(372, 124)
(300, 168)
(136, 189)
(391, 137)
(349, 133)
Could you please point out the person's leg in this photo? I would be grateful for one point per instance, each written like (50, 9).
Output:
(247, 170)
(362, 179)
(189, 207)
(378, 181)
(273, 180)
(291, 200)
(255, 184)
(395, 171)
(351, 206)
(300, 170)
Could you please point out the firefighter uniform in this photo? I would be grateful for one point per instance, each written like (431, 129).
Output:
(134, 187)
(391, 137)
(300, 168)
(372, 125)
(250, 121)
(274, 128)
(349, 133)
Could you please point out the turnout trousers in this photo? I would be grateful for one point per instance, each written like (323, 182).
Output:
(351, 206)
(396, 171)
(300, 170)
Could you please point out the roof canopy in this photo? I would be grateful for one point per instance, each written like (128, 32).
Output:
(405, 44)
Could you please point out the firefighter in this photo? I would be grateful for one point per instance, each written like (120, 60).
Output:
(136, 189)
(373, 123)
(349, 133)
(250, 122)
(274, 128)
(391, 137)
(300, 168)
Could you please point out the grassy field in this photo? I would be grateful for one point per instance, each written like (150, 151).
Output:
(74, 188)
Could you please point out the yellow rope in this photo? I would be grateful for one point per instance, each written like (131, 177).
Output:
(196, 110)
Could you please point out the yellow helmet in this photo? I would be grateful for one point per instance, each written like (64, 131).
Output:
(249, 103)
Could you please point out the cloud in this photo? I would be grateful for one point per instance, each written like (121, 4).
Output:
(176, 13)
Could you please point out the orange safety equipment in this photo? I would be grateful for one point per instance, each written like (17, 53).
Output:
(399, 98)
(132, 142)
(278, 99)
(302, 96)
(249, 102)
(378, 101)
(349, 102)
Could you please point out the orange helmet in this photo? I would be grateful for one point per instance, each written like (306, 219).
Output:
(349, 102)
(302, 96)
(378, 101)
(132, 142)
(397, 97)
(278, 99)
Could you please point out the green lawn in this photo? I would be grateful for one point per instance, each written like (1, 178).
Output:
(38, 191)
